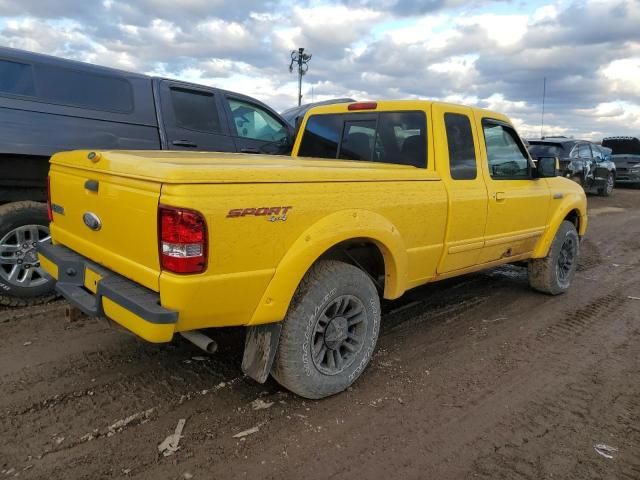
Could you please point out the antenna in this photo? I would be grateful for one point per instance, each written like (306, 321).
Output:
(544, 95)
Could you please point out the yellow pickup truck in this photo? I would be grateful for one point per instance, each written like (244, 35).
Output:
(379, 197)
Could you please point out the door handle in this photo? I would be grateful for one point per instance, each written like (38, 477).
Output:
(499, 196)
(184, 143)
(250, 150)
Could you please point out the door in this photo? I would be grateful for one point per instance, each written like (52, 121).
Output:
(457, 153)
(255, 129)
(518, 204)
(193, 119)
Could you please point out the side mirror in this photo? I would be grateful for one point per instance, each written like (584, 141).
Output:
(547, 167)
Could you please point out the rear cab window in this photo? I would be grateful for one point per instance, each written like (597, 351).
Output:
(386, 137)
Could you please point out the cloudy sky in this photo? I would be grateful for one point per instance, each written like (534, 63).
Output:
(494, 54)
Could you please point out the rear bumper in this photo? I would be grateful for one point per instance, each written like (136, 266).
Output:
(100, 292)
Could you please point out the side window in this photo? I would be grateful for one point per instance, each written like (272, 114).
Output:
(253, 122)
(357, 140)
(195, 110)
(584, 151)
(402, 138)
(16, 78)
(84, 89)
(321, 136)
(462, 154)
(505, 153)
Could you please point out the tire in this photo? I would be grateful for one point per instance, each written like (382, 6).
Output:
(336, 310)
(22, 281)
(554, 273)
(607, 190)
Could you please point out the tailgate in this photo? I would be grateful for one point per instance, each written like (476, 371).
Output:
(110, 219)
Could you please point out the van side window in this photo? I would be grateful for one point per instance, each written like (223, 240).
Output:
(505, 153)
(65, 86)
(195, 110)
(16, 78)
(386, 137)
(462, 154)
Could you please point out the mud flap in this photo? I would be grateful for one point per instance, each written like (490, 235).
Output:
(260, 346)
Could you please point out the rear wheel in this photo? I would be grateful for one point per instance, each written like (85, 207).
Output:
(22, 280)
(607, 189)
(554, 273)
(330, 331)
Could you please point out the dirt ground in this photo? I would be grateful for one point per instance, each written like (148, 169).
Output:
(478, 377)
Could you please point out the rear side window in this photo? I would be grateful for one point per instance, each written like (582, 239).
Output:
(64, 86)
(195, 110)
(584, 151)
(387, 137)
(462, 154)
(546, 150)
(16, 78)
(505, 153)
(83, 89)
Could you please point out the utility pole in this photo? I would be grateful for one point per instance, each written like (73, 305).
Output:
(302, 60)
(544, 96)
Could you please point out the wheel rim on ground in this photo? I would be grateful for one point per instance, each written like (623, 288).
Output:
(610, 182)
(19, 263)
(566, 261)
(339, 334)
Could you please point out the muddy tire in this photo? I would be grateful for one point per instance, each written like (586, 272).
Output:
(554, 273)
(22, 281)
(607, 190)
(330, 331)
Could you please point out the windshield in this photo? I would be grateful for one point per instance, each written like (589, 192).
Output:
(545, 150)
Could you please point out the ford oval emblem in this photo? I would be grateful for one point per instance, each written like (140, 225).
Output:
(92, 221)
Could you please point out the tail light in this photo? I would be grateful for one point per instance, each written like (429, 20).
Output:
(49, 210)
(182, 240)
(362, 106)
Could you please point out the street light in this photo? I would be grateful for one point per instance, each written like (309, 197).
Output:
(302, 59)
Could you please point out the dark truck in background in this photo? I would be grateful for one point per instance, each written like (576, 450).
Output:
(625, 153)
(48, 104)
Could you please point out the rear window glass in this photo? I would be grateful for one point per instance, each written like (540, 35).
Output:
(546, 150)
(321, 136)
(387, 137)
(16, 78)
(195, 110)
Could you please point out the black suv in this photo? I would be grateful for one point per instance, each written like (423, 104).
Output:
(49, 104)
(583, 162)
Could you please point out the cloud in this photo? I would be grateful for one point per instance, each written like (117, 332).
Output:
(493, 54)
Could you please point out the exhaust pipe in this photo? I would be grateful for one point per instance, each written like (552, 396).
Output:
(199, 339)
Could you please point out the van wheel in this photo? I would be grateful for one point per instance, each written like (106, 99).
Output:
(608, 186)
(23, 282)
(330, 331)
(554, 273)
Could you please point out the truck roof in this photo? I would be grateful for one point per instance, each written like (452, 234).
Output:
(391, 105)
